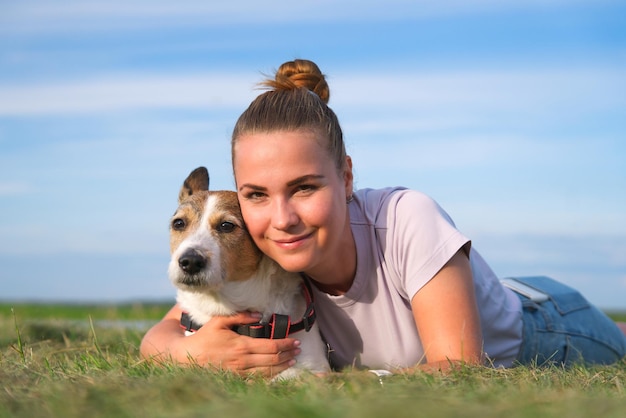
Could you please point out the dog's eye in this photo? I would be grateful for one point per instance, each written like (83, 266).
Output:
(178, 224)
(226, 227)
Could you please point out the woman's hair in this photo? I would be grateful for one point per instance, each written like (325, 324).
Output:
(297, 99)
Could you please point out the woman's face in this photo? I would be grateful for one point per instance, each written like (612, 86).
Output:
(293, 198)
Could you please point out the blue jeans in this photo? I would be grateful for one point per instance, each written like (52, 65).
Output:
(566, 329)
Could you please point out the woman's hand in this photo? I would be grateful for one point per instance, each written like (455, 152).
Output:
(447, 317)
(216, 345)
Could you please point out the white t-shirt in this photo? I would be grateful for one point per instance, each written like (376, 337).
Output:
(403, 238)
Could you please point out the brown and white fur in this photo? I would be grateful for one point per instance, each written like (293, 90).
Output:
(218, 270)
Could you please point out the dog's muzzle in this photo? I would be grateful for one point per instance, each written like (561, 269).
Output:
(192, 262)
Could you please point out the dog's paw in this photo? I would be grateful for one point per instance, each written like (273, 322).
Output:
(289, 374)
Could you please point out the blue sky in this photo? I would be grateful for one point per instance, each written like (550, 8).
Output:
(512, 115)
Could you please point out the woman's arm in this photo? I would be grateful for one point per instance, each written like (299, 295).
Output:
(447, 317)
(216, 345)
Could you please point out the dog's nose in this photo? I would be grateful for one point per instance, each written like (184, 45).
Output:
(192, 262)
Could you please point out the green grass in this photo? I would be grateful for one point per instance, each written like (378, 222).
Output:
(75, 367)
(617, 315)
(123, 311)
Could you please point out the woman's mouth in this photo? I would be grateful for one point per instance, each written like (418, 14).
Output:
(291, 243)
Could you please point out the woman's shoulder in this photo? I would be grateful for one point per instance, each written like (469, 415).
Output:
(376, 205)
(373, 200)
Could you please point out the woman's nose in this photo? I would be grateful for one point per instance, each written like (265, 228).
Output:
(284, 215)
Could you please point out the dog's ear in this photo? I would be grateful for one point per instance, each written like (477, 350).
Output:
(197, 181)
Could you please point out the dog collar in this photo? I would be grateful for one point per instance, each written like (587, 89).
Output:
(188, 324)
(278, 327)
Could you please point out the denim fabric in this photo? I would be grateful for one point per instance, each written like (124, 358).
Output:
(566, 329)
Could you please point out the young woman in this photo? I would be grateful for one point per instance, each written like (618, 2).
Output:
(396, 285)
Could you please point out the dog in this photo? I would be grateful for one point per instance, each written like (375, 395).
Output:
(218, 270)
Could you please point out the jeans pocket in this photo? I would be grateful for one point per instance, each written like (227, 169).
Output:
(564, 298)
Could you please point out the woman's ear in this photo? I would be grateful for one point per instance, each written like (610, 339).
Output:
(348, 177)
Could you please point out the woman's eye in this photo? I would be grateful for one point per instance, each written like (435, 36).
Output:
(254, 196)
(306, 188)
(178, 224)
(226, 227)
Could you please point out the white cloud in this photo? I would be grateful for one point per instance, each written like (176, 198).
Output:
(474, 90)
(15, 188)
(512, 89)
(426, 155)
(41, 16)
(125, 92)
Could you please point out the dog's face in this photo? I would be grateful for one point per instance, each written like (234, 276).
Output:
(208, 239)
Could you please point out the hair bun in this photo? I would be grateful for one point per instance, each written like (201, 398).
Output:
(300, 74)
